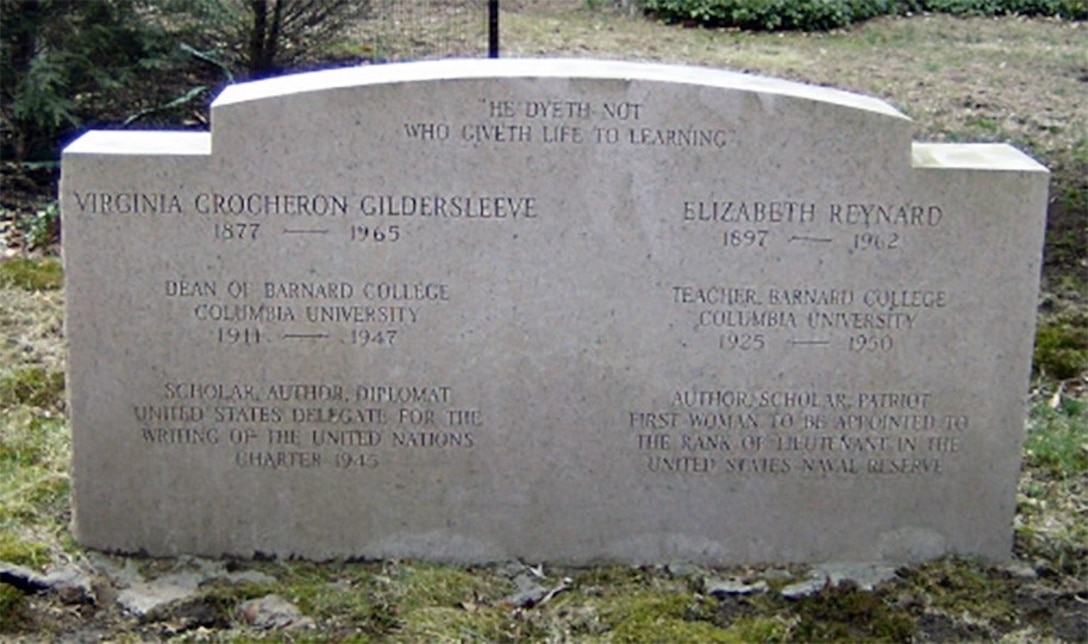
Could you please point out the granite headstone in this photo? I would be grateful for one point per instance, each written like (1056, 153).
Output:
(559, 310)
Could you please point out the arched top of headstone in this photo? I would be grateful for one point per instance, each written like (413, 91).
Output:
(545, 68)
(580, 110)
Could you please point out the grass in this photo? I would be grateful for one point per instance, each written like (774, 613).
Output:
(1050, 519)
(671, 616)
(962, 587)
(16, 550)
(846, 613)
(35, 441)
(1057, 438)
(32, 274)
(34, 484)
(13, 609)
(34, 386)
(1061, 346)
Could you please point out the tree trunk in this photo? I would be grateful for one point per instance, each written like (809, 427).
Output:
(262, 38)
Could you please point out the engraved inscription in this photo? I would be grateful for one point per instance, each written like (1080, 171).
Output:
(245, 217)
(361, 314)
(820, 434)
(755, 224)
(751, 318)
(804, 433)
(449, 207)
(308, 425)
(551, 121)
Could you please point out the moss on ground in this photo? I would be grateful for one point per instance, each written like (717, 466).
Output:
(34, 452)
(346, 599)
(31, 330)
(32, 274)
(420, 585)
(1050, 520)
(846, 613)
(651, 615)
(1057, 438)
(34, 385)
(23, 552)
(1061, 346)
(13, 609)
(759, 629)
(465, 624)
(217, 604)
(964, 588)
(451, 603)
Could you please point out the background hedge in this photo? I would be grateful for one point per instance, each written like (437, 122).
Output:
(822, 15)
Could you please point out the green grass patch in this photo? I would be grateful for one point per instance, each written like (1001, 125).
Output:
(846, 613)
(1050, 523)
(219, 600)
(469, 623)
(1061, 348)
(420, 585)
(758, 629)
(342, 597)
(404, 601)
(1057, 438)
(658, 615)
(965, 588)
(41, 274)
(637, 604)
(615, 577)
(33, 386)
(13, 613)
(1075, 198)
(41, 228)
(29, 440)
(17, 550)
(34, 483)
(36, 498)
(450, 603)
(985, 125)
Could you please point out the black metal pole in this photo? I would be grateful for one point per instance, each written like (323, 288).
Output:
(492, 28)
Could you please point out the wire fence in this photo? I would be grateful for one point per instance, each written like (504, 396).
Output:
(399, 30)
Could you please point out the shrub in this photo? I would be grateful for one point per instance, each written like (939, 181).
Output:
(770, 15)
(58, 57)
(822, 15)
(994, 7)
(1074, 9)
(41, 228)
(65, 63)
(259, 38)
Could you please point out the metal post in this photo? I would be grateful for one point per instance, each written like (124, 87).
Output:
(492, 28)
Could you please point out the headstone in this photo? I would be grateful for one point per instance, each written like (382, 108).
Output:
(556, 310)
